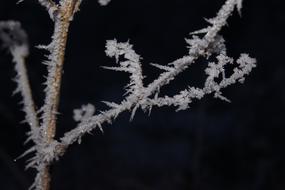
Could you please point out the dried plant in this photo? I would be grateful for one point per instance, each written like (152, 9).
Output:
(203, 43)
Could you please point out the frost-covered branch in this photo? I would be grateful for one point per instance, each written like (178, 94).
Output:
(214, 70)
(15, 39)
(143, 97)
(132, 64)
(55, 63)
(62, 14)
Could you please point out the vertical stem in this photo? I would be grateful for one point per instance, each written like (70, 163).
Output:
(19, 54)
(54, 78)
(54, 97)
(50, 109)
(46, 178)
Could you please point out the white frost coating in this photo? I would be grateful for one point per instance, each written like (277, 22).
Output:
(55, 62)
(104, 2)
(132, 64)
(211, 44)
(239, 6)
(84, 113)
(15, 39)
(52, 64)
(214, 70)
(24, 88)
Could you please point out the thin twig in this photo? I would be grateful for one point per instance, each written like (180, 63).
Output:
(57, 48)
(15, 39)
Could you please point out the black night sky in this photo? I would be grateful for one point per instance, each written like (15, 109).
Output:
(213, 145)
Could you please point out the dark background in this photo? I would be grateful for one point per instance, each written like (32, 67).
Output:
(213, 145)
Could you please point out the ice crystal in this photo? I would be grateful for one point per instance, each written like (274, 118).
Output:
(104, 2)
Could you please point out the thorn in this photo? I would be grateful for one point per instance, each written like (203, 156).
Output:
(100, 127)
(134, 112)
(239, 6)
(220, 96)
(110, 104)
(201, 31)
(162, 67)
(20, 1)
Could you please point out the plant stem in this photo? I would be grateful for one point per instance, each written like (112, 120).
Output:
(57, 48)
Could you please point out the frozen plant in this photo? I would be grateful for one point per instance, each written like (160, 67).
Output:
(46, 150)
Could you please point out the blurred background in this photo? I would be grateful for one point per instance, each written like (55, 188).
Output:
(213, 145)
